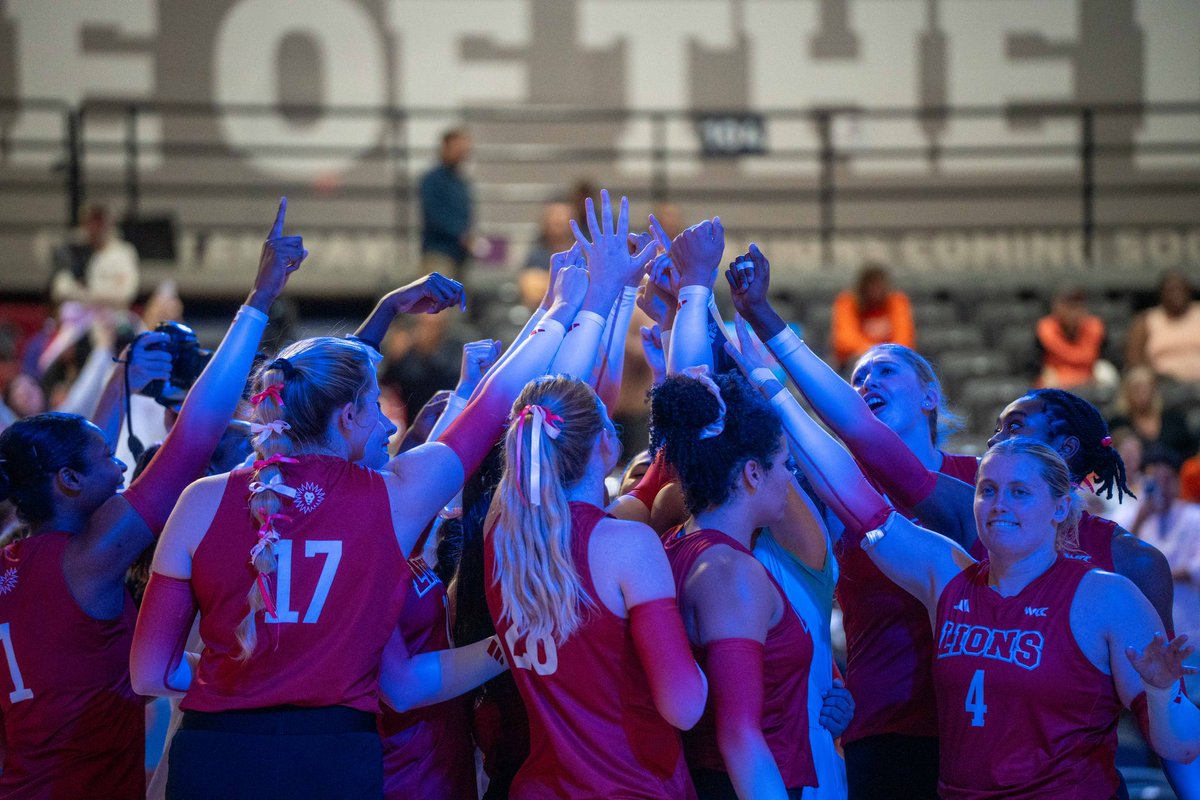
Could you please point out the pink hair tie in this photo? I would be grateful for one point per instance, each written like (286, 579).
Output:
(277, 458)
(543, 420)
(267, 534)
(1106, 441)
(271, 391)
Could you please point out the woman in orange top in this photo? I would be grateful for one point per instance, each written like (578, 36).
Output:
(871, 314)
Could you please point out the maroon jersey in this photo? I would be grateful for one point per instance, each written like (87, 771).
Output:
(1095, 543)
(427, 752)
(889, 646)
(1022, 711)
(337, 592)
(787, 657)
(594, 729)
(73, 725)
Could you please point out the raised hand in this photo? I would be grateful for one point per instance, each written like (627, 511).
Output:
(1161, 664)
(428, 295)
(570, 288)
(281, 256)
(478, 357)
(566, 258)
(749, 278)
(146, 360)
(656, 356)
(610, 264)
(654, 304)
(697, 253)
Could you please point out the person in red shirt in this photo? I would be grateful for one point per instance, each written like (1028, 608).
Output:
(72, 722)
(585, 608)
(728, 448)
(1070, 340)
(298, 568)
(871, 314)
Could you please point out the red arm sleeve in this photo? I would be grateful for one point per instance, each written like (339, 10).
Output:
(657, 475)
(181, 460)
(662, 647)
(735, 669)
(163, 624)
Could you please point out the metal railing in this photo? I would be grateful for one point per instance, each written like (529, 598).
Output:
(1101, 166)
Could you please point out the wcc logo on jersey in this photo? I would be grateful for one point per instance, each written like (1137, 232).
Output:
(1023, 648)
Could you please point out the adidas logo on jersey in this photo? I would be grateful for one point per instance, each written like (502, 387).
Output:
(1035, 612)
(963, 605)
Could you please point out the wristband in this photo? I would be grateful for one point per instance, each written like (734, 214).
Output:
(875, 536)
(760, 375)
(784, 343)
(455, 403)
(1169, 693)
(549, 325)
(694, 292)
(588, 316)
(629, 293)
(253, 313)
(354, 337)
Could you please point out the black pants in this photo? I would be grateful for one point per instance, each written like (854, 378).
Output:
(276, 754)
(713, 784)
(892, 767)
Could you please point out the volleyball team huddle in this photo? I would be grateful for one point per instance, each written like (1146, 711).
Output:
(671, 642)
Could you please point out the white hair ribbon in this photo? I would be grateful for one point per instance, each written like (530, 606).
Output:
(263, 431)
(542, 420)
(276, 485)
(700, 373)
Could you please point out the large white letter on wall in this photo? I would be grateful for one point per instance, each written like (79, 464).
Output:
(354, 73)
(53, 64)
(433, 71)
(656, 38)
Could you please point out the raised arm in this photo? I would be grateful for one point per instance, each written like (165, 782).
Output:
(696, 255)
(422, 480)
(612, 367)
(123, 527)
(428, 295)
(942, 503)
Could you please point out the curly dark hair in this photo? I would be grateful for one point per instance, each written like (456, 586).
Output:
(681, 407)
(1071, 415)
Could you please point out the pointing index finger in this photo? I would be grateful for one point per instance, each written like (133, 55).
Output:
(277, 228)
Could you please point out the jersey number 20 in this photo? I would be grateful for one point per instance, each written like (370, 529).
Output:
(975, 704)
(539, 655)
(332, 549)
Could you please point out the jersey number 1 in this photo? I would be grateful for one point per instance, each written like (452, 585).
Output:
(975, 704)
(20, 690)
(283, 592)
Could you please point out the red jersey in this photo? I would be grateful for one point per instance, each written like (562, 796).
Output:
(594, 729)
(889, 645)
(73, 725)
(427, 752)
(1022, 711)
(787, 657)
(1095, 543)
(338, 591)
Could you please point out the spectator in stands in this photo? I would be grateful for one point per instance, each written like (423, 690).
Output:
(555, 237)
(420, 360)
(97, 268)
(1070, 340)
(1167, 336)
(871, 314)
(447, 211)
(1173, 526)
(1139, 407)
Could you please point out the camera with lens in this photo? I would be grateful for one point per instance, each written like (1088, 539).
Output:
(188, 360)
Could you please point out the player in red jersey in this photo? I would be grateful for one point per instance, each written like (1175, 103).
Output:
(894, 401)
(1041, 631)
(72, 723)
(727, 446)
(585, 607)
(322, 552)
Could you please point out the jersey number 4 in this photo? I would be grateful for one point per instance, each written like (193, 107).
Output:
(20, 690)
(332, 550)
(975, 705)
